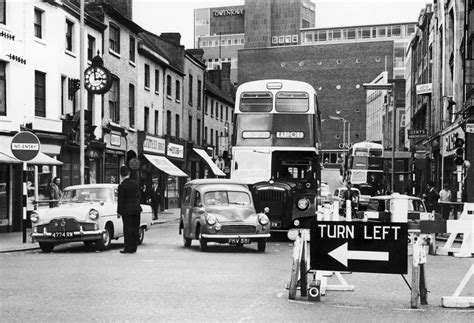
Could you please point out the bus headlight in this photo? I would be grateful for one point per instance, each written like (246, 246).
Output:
(303, 204)
(263, 219)
(34, 217)
(211, 219)
(296, 223)
(93, 214)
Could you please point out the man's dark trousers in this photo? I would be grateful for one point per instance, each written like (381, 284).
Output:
(131, 229)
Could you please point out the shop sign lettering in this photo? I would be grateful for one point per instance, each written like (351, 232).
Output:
(175, 150)
(154, 145)
(228, 12)
(115, 140)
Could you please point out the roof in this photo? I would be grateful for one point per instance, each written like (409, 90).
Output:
(103, 185)
(208, 181)
(218, 93)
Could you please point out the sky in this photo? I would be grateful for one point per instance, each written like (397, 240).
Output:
(158, 16)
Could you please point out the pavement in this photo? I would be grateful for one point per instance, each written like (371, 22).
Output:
(13, 241)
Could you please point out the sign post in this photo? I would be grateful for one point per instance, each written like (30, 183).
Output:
(25, 146)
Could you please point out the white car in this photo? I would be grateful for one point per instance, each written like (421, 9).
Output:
(85, 213)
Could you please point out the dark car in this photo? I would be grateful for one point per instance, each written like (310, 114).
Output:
(222, 211)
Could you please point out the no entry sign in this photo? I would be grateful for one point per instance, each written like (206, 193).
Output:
(359, 246)
(25, 146)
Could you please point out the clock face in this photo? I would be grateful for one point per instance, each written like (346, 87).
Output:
(97, 79)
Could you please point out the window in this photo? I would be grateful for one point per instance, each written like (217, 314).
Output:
(206, 104)
(212, 108)
(305, 23)
(69, 31)
(168, 123)
(168, 85)
(178, 90)
(3, 19)
(226, 113)
(38, 23)
(199, 89)
(63, 94)
(114, 38)
(217, 110)
(114, 102)
(198, 132)
(156, 123)
(147, 76)
(132, 49)
(131, 105)
(146, 119)
(40, 94)
(190, 128)
(211, 135)
(90, 47)
(205, 134)
(3, 89)
(351, 34)
(157, 81)
(176, 133)
(190, 98)
(222, 112)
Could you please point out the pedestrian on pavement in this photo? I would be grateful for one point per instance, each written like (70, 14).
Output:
(445, 197)
(155, 198)
(128, 207)
(431, 197)
(55, 192)
(145, 195)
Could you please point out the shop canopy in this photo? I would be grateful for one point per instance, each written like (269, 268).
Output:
(40, 159)
(162, 163)
(209, 161)
(5, 159)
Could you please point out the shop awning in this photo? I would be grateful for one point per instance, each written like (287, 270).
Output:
(5, 159)
(162, 163)
(209, 161)
(40, 159)
(43, 159)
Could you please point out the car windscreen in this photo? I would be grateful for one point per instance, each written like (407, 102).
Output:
(376, 205)
(226, 198)
(87, 195)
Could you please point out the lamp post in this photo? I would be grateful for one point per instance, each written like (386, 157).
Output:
(344, 121)
(390, 87)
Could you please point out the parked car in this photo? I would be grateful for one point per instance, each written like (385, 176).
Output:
(221, 210)
(85, 213)
(379, 209)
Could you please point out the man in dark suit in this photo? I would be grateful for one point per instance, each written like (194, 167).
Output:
(155, 197)
(128, 207)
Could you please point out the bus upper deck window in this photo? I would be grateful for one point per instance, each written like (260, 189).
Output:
(292, 102)
(256, 102)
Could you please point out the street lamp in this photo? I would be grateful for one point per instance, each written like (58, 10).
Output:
(344, 121)
(390, 87)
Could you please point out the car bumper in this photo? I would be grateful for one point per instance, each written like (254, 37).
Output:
(69, 236)
(235, 236)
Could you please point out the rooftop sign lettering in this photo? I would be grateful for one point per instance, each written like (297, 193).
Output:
(228, 12)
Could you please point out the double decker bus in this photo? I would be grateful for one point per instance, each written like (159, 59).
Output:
(364, 165)
(276, 149)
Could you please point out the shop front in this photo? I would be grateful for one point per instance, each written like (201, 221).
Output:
(156, 166)
(39, 174)
(114, 155)
(452, 173)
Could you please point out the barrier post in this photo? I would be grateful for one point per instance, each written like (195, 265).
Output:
(456, 300)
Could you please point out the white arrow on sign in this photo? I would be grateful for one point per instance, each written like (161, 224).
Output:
(341, 254)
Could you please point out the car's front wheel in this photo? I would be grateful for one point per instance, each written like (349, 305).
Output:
(141, 235)
(262, 245)
(46, 246)
(104, 242)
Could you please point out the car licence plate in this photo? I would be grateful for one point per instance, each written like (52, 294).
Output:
(239, 240)
(62, 234)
